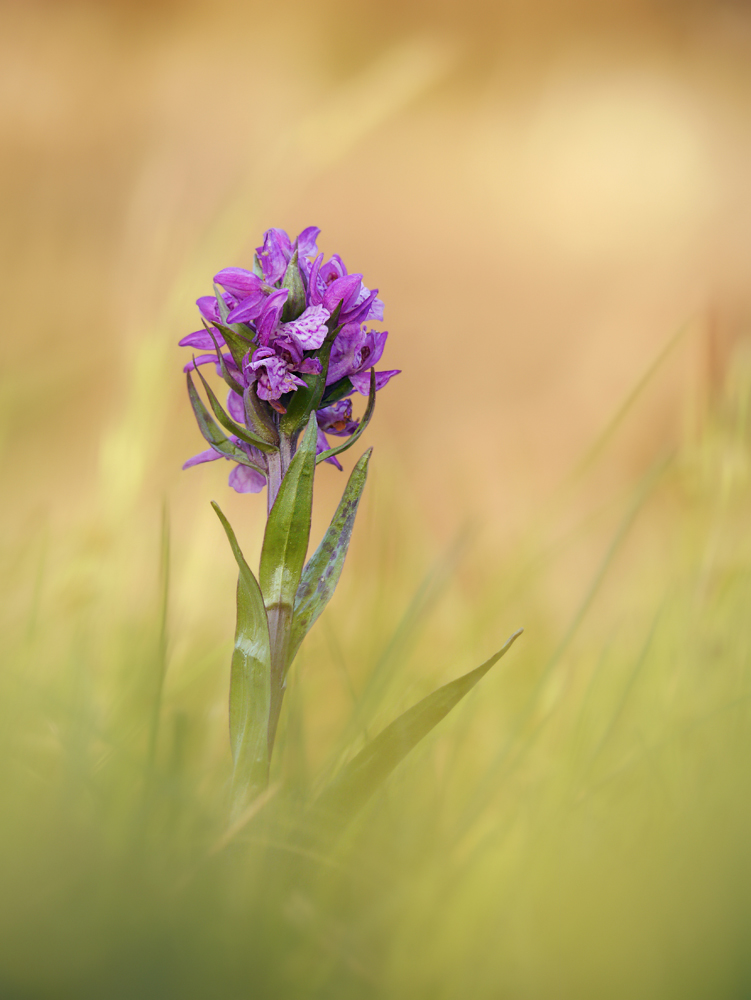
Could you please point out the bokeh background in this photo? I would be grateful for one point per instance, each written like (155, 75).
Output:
(553, 197)
(544, 193)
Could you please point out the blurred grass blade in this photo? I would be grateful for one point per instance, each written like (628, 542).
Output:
(161, 657)
(597, 448)
(321, 575)
(218, 440)
(229, 424)
(362, 776)
(250, 683)
(363, 424)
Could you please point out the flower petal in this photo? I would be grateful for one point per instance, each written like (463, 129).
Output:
(316, 287)
(243, 479)
(322, 444)
(248, 310)
(337, 418)
(361, 382)
(310, 329)
(202, 359)
(309, 366)
(344, 290)
(333, 268)
(202, 340)
(208, 307)
(203, 456)
(357, 312)
(235, 407)
(306, 241)
(268, 320)
(238, 281)
(274, 254)
(375, 313)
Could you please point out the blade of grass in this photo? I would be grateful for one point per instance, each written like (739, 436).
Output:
(364, 774)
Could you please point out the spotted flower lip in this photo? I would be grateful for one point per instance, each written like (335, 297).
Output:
(310, 329)
(273, 375)
(283, 308)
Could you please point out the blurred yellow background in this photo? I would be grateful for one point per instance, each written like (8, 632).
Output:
(554, 200)
(552, 197)
(545, 193)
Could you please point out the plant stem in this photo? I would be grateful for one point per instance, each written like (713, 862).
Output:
(279, 615)
(275, 476)
(278, 462)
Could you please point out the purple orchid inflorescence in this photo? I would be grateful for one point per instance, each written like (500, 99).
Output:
(294, 315)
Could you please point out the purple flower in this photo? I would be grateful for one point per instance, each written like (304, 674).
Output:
(361, 382)
(242, 478)
(337, 418)
(355, 351)
(330, 283)
(272, 374)
(280, 352)
(309, 329)
(322, 445)
(206, 359)
(278, 248)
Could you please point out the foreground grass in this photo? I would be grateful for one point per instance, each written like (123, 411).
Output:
(579, 828)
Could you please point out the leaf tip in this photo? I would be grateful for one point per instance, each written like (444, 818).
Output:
(512, 638)
(220, 514)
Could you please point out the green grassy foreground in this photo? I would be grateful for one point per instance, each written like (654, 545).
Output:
(580, 827)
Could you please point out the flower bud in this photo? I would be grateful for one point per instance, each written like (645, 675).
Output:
(296, 302)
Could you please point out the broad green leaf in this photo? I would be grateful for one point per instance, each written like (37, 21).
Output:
(218, 440)
(338, 449)
(285, 544)
(285, 541)
(360, 778)
(250, 683)
(229, 424)
(321, 575)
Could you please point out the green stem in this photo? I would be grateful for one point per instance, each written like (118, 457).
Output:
(274, 459)
(279, 615)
